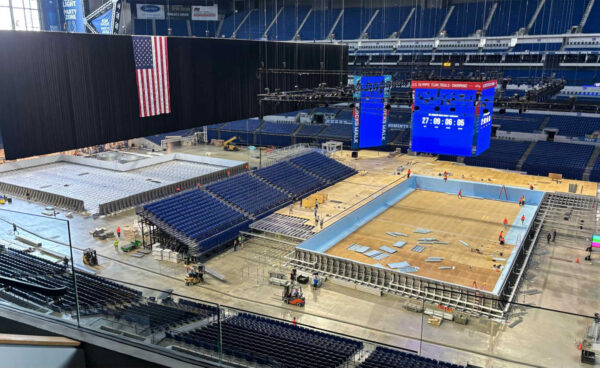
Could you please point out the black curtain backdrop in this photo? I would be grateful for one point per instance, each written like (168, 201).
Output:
(62, 91)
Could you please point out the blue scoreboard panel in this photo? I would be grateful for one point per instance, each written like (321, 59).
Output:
(369, 116)
(452, 118)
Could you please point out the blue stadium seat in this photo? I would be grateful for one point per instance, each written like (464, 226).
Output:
(323, 166)
(273, 343)
(574, 126)
(249, 193)
(467, 18)
(502, 154)
(290, 178)
(552, 157)
(510, 16)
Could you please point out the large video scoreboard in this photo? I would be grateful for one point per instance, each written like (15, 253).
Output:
(452, 117)
(369, 115)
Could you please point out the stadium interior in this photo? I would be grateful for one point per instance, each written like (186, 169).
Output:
(300, 183)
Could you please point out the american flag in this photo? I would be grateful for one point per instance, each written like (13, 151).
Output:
(152, 74)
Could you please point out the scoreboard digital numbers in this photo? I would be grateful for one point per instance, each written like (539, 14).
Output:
(452, 118)
(369, 116)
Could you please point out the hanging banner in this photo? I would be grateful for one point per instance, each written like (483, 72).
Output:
(102, 24)
(179, 11)
(150, 11)
(73, 12)
(205, 13)
(50, 9)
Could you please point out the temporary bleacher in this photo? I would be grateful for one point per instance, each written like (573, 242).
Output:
(345, 114)
(249, 193)
(290, 178)
(203, 219)
(270, 342)
(323, 167)
(552, 157)
(384, 357)
(196, 216)
(502, 154)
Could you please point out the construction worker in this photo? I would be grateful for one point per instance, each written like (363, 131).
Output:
(460, 193)
(554, 236)
(408, 174)
(316, 204)
(235, 244)
(15, 229)
(522, 219)
(118, 231)
(505, 222)
(321, 222)
(500, 236)
(116, 244)
(240, 241)
(523, 200)
(445, 177)
(549, 237)
(501, 240)
(530, 186)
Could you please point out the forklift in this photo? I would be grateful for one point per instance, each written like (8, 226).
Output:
(195, 274)
(89, 257)
(228, 145)
(292, 295)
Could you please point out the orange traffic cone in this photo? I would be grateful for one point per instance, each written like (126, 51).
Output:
(577, 260)
(580, 346)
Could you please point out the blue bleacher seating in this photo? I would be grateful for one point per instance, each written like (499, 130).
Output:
(323, 166)
(425, 23)
(249, 193)
(231, 22)
(204, 28)
(94, 292)
(592, 25)
(345, 114)
(288, 22)
(245, 125)
(157, 139)
(337, 131)
(558, 16)
(510, 16)
(574, 126)
(502, 154)
(310, 130)
(254, 27)
(467, 18)
(278, 128)
(516, 124)
(388, 21)
(195, 214)
(319, 24)
(385, 357)
(567, 159)
(273, 343)
(290, 178)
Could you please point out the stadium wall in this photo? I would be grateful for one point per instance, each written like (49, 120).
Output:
(62, 91)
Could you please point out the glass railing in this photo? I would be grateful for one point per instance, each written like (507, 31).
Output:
(36, 276)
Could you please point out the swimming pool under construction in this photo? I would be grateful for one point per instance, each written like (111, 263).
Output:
(421, 239)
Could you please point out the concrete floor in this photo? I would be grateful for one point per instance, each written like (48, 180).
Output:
(541, 338)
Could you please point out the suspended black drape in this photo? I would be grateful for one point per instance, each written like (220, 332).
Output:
(63, 91)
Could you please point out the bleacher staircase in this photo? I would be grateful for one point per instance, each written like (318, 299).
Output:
(524, 157)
